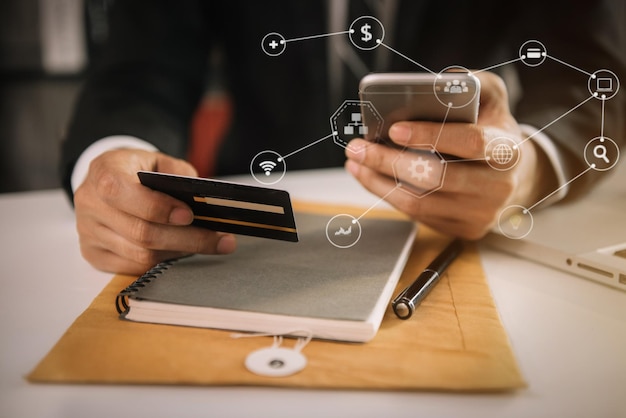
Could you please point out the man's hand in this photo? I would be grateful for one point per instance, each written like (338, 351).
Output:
(125, 227)
(472, 193)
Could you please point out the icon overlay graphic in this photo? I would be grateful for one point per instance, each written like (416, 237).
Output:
(343, 231)
(419, 169)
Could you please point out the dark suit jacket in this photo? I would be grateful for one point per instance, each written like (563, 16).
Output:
(150, 76)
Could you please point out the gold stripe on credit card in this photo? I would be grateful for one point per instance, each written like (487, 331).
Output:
(244, 223)
(239, 204)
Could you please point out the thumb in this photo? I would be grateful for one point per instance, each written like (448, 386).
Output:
(494, 98)
(171, 165)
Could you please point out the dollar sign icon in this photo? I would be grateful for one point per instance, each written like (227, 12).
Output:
(365, 30)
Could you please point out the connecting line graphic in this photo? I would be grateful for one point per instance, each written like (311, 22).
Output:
(602, 120)
(405, 57)
(532, 53)
(280, 159)
(465, 160)
(376, 204)
(497, 65)
(443, 122)
(591, 167)
(557, 119)
(569, 65)
(323, 35)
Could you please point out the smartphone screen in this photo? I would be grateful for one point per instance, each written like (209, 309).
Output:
(445, 97)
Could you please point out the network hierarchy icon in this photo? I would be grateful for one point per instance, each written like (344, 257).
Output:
(422, 163)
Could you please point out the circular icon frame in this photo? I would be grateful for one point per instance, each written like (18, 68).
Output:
(533, 53)
(334, 234)
(265, 161)
(497, 144)
(372, 23)
(276, 39)
(597, 149)
(602, 82)
(515, 222)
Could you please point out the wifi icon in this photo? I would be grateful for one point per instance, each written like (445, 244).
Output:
(269, 162)
(267, 166)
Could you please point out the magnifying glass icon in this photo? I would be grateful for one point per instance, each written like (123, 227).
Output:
(599, 151)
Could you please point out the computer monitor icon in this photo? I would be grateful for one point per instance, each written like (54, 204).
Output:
(604, 84)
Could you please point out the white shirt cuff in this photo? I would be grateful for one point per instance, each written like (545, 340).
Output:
(100, 147)
(554, 156)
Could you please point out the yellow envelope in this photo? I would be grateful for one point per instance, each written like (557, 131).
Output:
(454, 342)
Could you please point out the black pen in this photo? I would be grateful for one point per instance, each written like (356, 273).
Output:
(404, 304)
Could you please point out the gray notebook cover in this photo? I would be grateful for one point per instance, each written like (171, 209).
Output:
(311, 278)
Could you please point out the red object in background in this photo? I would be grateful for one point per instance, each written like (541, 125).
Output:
(208, 127)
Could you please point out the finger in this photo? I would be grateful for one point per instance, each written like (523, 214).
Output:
(478, 180)
(426, 171)
(378, 157)
(167, 164)
(106, 260)
(186, 239)
(463, 140)
(372, 180)
(423, 169)
(494, 99)
(102, 236)
(395, 194)
(449, 213)
(98, 238)
(460, 139)
(148, 252)
(123, 191)
(93, 218)
(461, 215)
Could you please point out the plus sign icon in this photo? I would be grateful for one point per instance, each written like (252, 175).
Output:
(273, 44)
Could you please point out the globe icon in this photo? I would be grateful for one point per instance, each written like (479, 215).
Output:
(502, 154)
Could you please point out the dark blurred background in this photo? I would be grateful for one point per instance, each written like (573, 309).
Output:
(45, 49)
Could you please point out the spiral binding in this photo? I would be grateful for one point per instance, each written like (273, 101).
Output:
(121, 301)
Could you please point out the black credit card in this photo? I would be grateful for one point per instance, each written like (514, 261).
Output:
(230, 207)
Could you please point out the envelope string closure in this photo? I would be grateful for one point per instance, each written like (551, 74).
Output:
(277, 361)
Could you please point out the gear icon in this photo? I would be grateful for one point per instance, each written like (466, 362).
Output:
(420, 169)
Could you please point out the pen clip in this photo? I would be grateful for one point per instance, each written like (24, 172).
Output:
(399, 297)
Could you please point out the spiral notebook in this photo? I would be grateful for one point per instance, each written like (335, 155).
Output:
(277, 287)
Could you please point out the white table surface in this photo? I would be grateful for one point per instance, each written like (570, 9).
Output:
(568, 334)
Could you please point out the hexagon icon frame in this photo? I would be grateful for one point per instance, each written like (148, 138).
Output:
(338, 133)
(407, 187)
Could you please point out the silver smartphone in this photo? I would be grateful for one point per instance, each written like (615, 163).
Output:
(444, 97)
